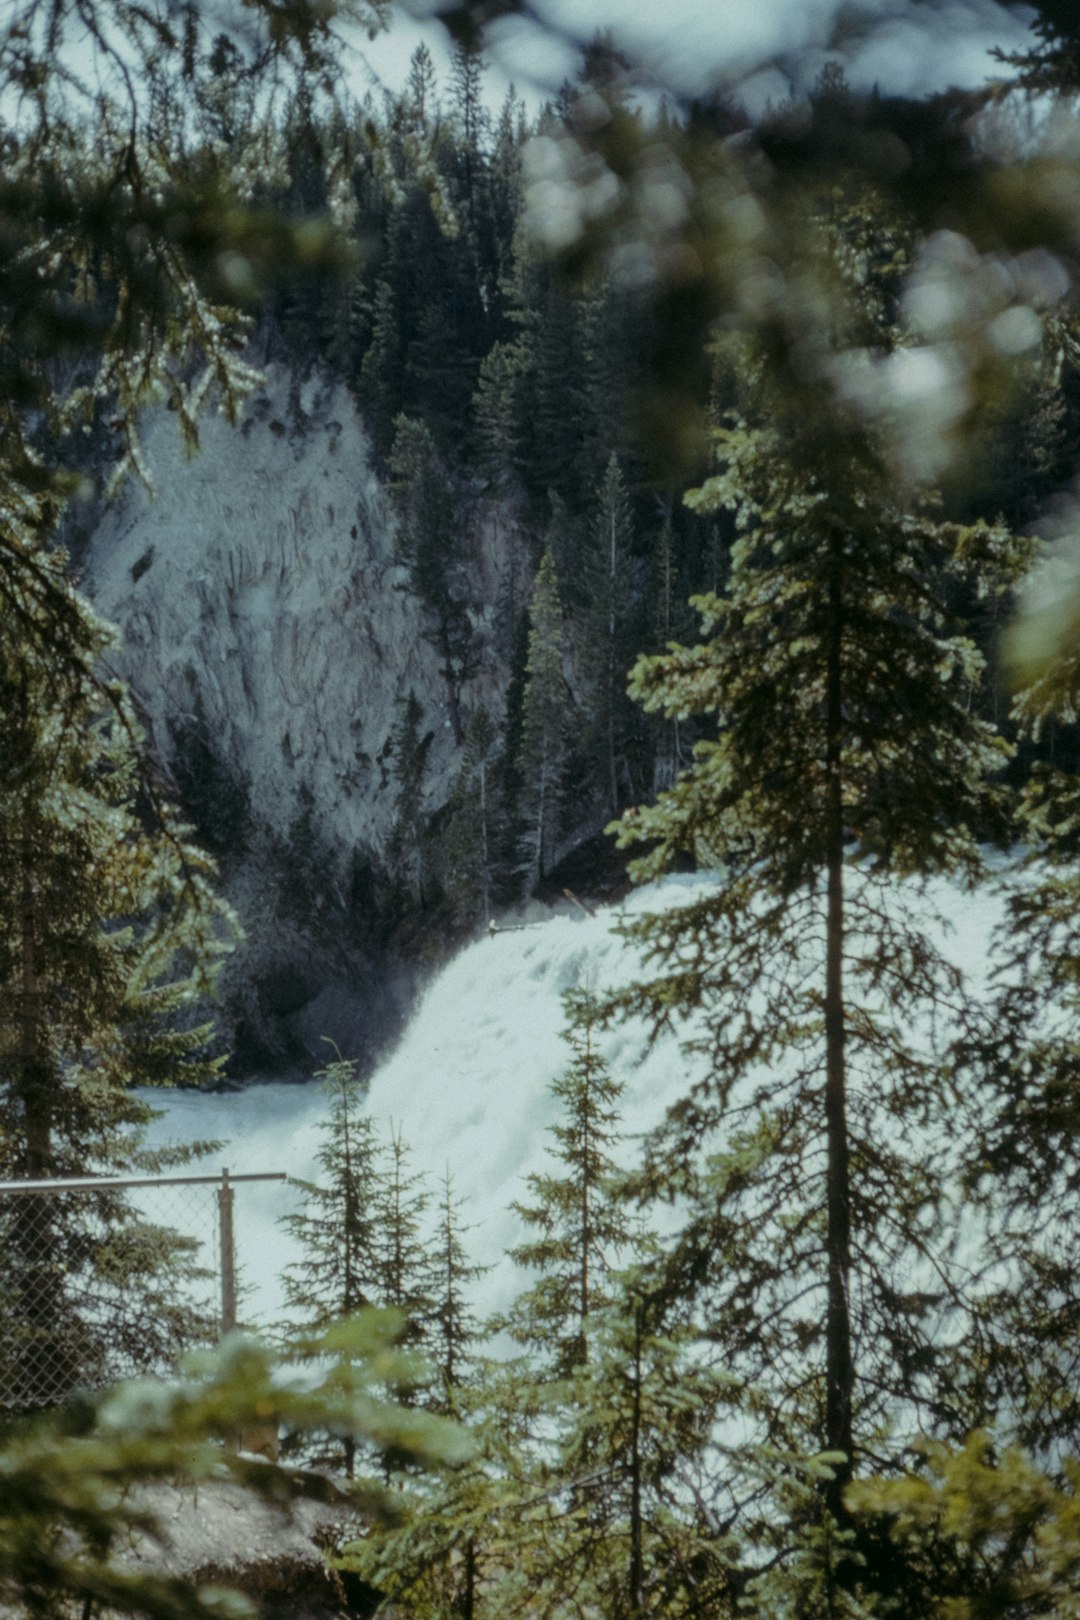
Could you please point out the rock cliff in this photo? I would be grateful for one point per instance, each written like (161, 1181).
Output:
(271, 638)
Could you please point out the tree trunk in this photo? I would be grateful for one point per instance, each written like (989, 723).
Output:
(637, 1555)
(839, 1368)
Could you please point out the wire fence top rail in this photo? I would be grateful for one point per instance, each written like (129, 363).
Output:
(89, 1183)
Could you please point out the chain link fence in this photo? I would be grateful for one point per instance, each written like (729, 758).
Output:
(103, 1278)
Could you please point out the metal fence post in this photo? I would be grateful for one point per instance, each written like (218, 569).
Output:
(228, 1254)
(96, 1337)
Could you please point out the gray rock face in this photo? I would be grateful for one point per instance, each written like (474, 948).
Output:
(271, 638)
(219, 1534)
(259, 600)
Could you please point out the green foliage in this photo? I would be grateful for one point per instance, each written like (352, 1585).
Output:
(337, 1227)
(577, 1227)
(110, 933)
(474, 839)
(544, 726)
(453, 1331)
(610, 633)
(992, 1532)
(847, 752)
(69, 1501)
(424, 497)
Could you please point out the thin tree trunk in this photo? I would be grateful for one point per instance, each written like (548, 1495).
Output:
(485, 857)
(469, 1604)
(839, 1368)
(637, 1556)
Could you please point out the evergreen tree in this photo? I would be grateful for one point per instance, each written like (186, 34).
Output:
(454, 1330)
(424, 498)
(619, 1405)
(430, 1557)
(668, 746)
(610, 639)
(378, 389)
(545, 725)
(338, 1227)
(1021, 1171)
(470, 118)
(510, 136)
(498, 433)
(578, 1227)
(421, 90)
(848, 756)
(109, 936)
(634, 1532)
(402, 1255)
(472, 842)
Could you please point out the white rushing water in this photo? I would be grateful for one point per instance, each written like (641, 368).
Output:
(469, 1083)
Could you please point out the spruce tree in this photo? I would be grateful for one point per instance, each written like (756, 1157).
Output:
(109, 935)
(378, 387)
(849, 763)
(423, 496)
(338, 1226)
(610, 639)
(402, 1259)
(454, 1330)
(472, 844)
(420, 99)
(635, 1530)
(544, 726)
(617, 1404)
(668, 745)
(1021, 1170)
(498, 431)
(578, 1229)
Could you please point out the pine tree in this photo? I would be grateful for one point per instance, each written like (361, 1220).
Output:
(378, 389)
(635, 1531)
(454, 1330)
(1021, 1171)
(431, 1557)
(848, 760)
(668, 747)
(424, 498)
(498, 434)
(579, 1230)
(421, 90)
(472, 841)
(617, 1403)
(338, 1227)
(610, 638)
(402, 1252)
(545, 727)
(109, 936)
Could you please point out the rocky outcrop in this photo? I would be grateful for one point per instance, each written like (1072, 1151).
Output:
(219, 1534)
(271, 638)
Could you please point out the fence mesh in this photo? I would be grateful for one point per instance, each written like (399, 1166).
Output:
(103, 1280)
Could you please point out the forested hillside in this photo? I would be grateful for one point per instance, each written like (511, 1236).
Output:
(460, 500)
(625, 463)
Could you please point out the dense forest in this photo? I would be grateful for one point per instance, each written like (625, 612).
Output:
(775, 423)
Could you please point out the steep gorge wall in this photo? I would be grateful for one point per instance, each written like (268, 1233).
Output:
(271, 638)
